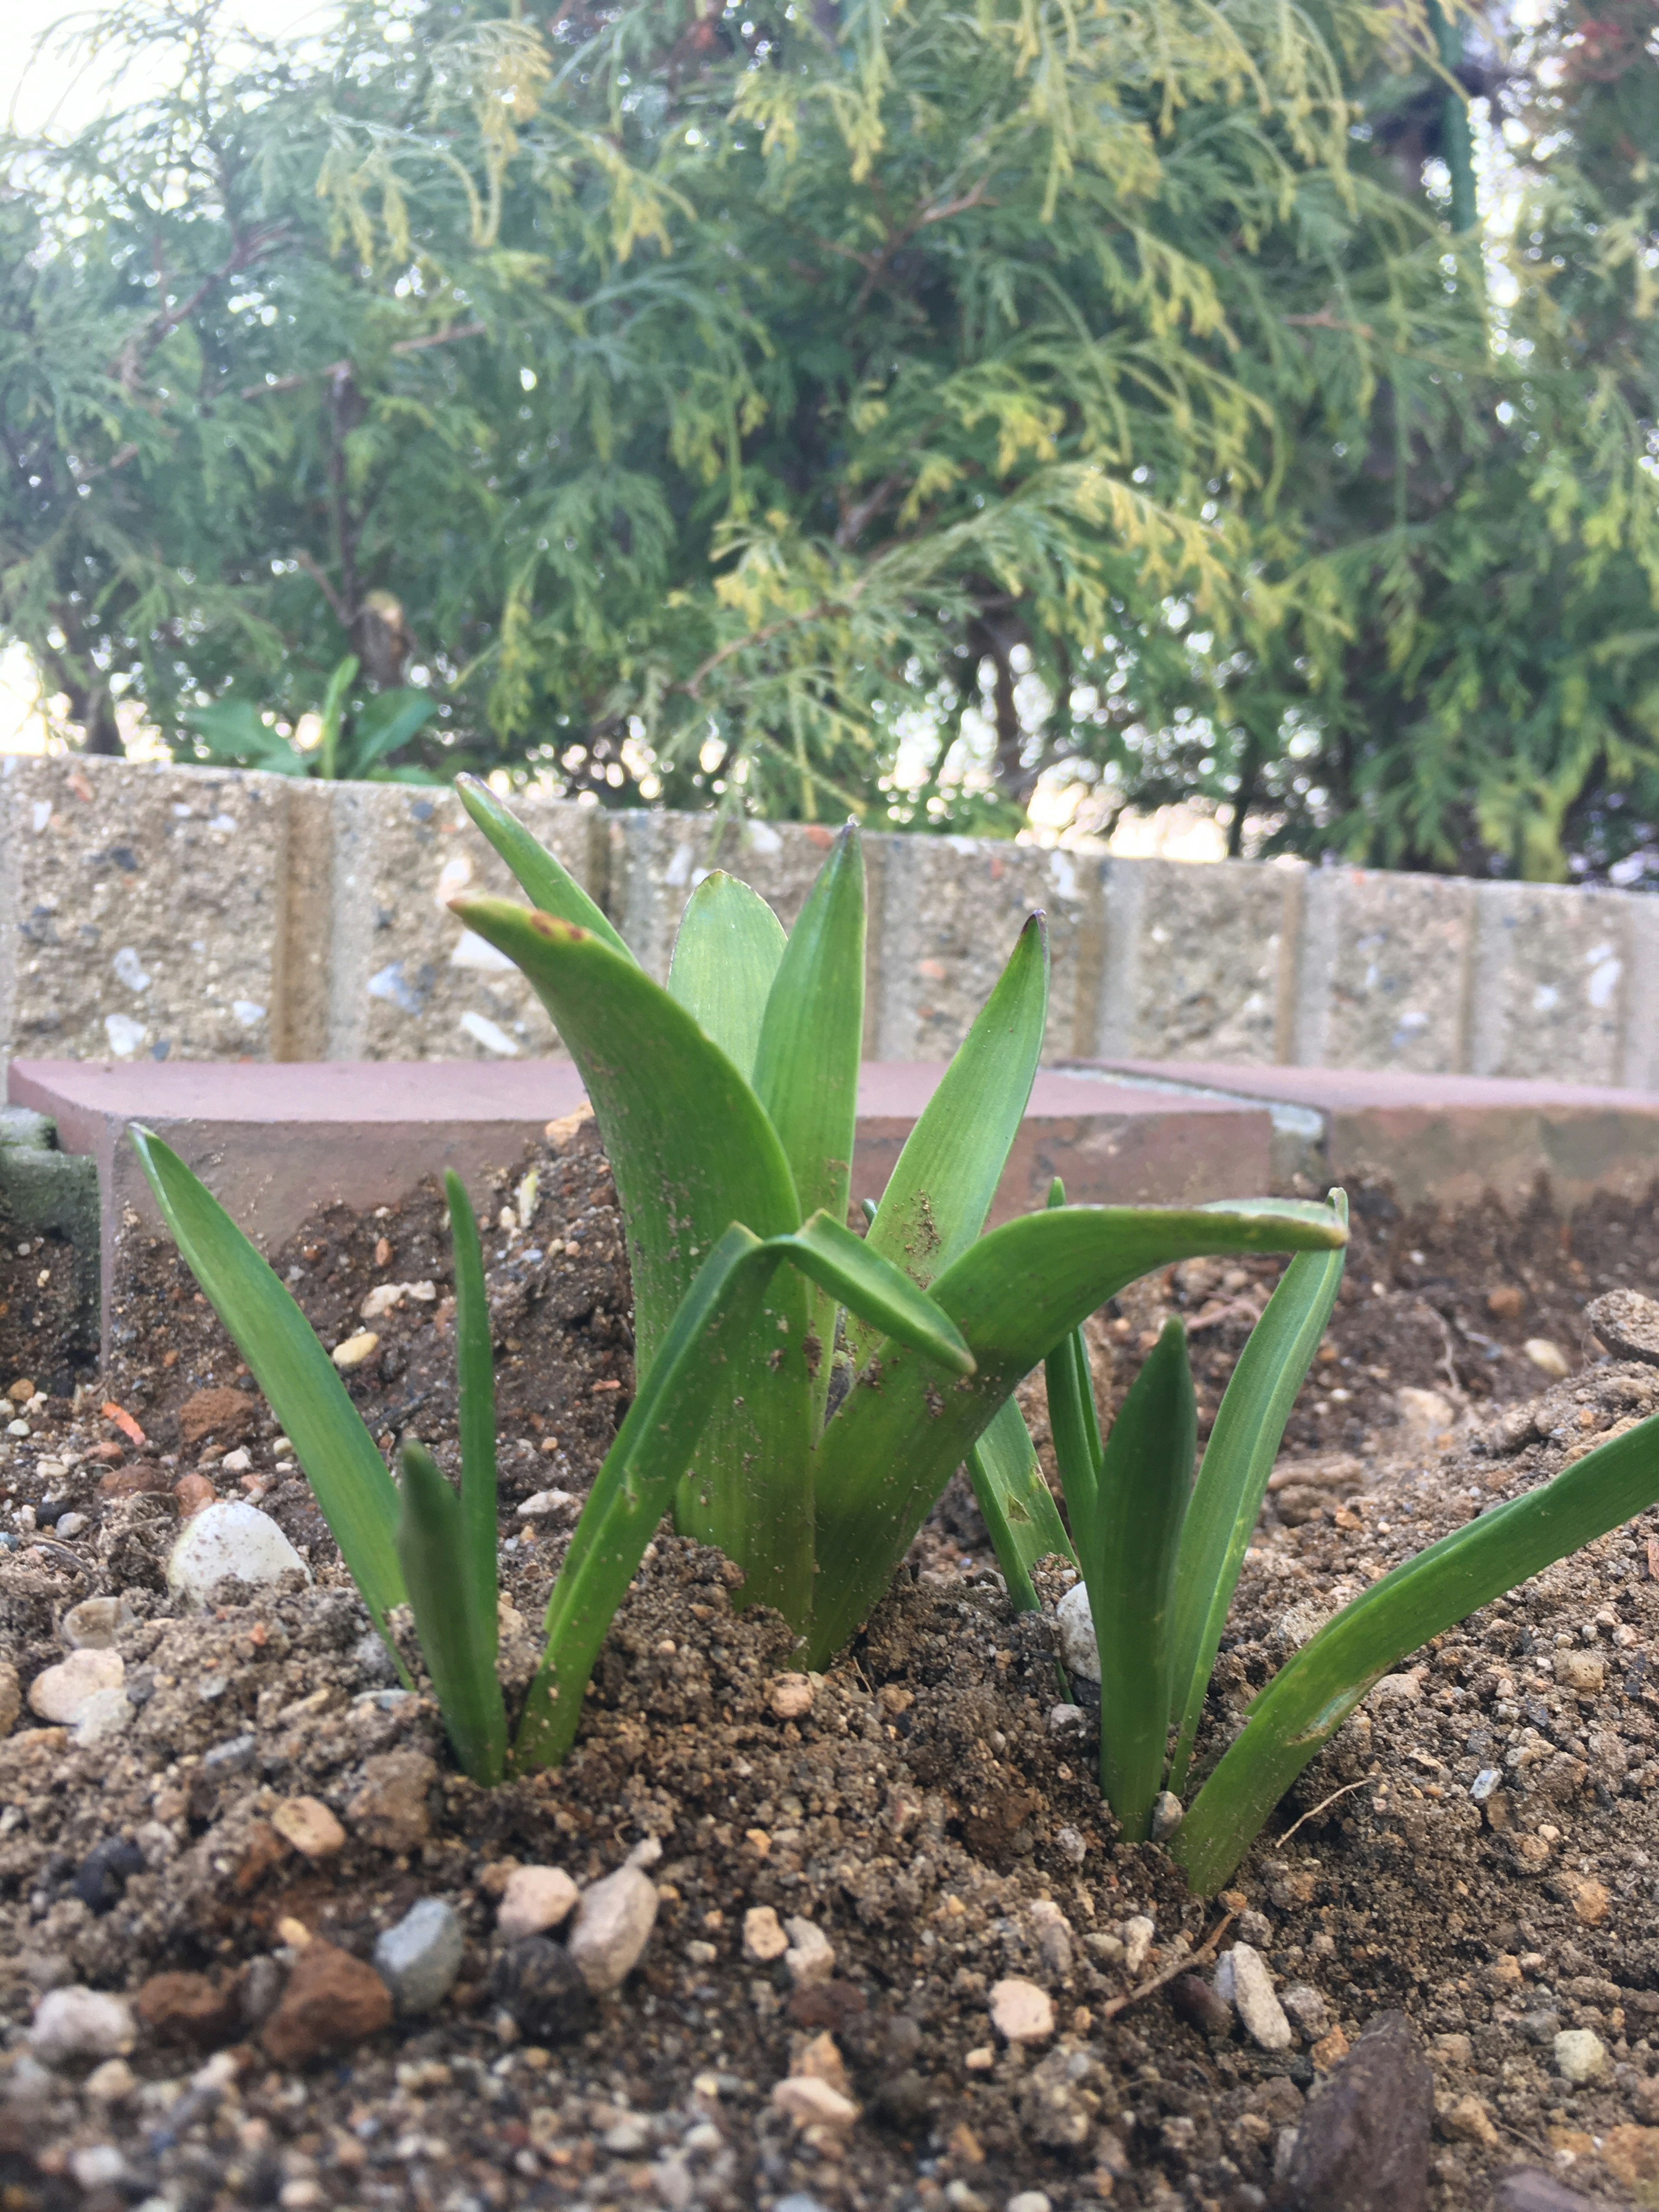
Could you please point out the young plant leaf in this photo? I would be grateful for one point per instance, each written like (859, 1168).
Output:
(356, 1495)
(941, 1189)
(806, 1071)
(1128, 1566)
(476, 1372)
(1307, 1700)
(1232, 1481)
(890, 1449)
(549, 888)
(880, 1295)
(1068, 1379)
(680, 1122)
(1020, 1517)
(725, 955)
(457, 1641)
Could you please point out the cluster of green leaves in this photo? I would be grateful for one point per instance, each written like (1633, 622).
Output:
(704, 405)
(356, 744)
(804, 1393)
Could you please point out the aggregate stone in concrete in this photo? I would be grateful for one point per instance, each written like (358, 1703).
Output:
(1553, 983)
(1197, 961)
(1385, 976)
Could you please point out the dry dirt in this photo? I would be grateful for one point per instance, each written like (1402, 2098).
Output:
(923, 1812)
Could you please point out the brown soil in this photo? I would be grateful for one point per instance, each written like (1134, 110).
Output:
(923, 1812)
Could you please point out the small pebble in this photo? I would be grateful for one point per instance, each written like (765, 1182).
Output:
(420, 1958)
(11, 1698)
(1252, 1993)
(1192, 1999)
(1584, 1673)
(238, 1461)
(613, 1924)
(80, 2023)
(810, 1956)
(1021, 2012)
(1168, 1813)
(72, 1524)
(111, 2083)
(103, 1874)
(97, 2166)
(536, 1898)
(1580, 2056)
(106, 1713)
(309, 1826)
(1066, 1720)
(1079, 1652)
(58, 1694)
(355, 1350)
(540, 1986)
(229, 1538)
(790, 1696)
(1137, 1934)
(1030, 2200)
(1307, 2010)
(764, 1939)
(543, 1504)
(95, 1623)
(811, 2103)
(332, 2000)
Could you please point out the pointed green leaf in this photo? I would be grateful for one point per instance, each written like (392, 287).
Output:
(692, 1152)
(476, 1372)
(725, 955)
(1233, 1479)
(549, 888)
(1128, 1566)
(940, 1191)
(703, 1349)
(1019, 1515)
(1308, 1700)
(806, 1073)
(356, 1495)
(890, 1449)
(458, 1642)
(882, 1296)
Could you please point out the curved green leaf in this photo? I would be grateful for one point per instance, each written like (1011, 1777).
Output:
(881, 1294)
(1128, 1566)
(1308, 1700)
(725, 955)
(356, 1495)
(1233, 1481)
(806, 1071)
(692, 1152)
(1020, 1517)
(549, 888)
(890, 1449)
(941, 1188)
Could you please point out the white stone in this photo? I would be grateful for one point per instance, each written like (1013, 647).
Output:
(419, 1959)
(764, 1939)
(810, 1956)
(1548, 1357)
(355, 1349)
(811, 2103)
(1423, 1415)
(544, 1503)
(95, 1623)
(58, 1694)
(1021, 2012)
(80, 2023)
(790, 1696)
(1030, 2200)
(1397, 1689)
(307, 1823)
(72, 1524)
(536, 1898)
(1258, 2005)
(104, 1715)
(613, 1924)
(229, 1537)
(1137, 1934)
(385, 1295)
(1079, 1652)
(236, 1462)
(1580, 2056)
(97, 2166)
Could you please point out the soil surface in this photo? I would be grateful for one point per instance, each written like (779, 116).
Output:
(1476, 1850)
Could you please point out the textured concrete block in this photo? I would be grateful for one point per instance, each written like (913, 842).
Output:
(1552, 968)
(45, 1191)
(952, 909)
(1197, 960)
(142, 909)
(406, 980)
(1450, 1141)
(1385, 979)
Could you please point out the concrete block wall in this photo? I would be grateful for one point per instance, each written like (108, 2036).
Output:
(197, 914)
